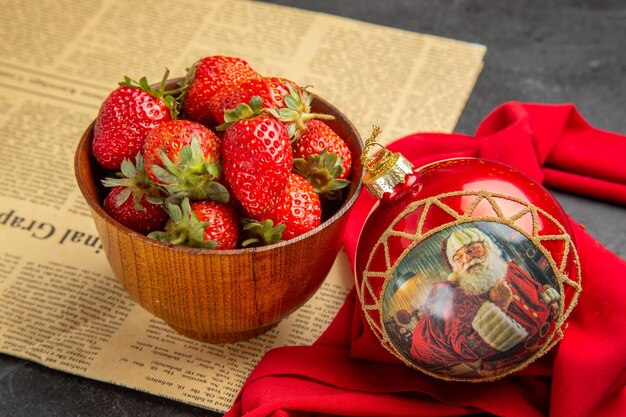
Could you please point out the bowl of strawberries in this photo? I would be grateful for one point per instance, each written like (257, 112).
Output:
(220, 198)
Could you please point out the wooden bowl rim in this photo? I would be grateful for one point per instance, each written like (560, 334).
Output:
(97, 207)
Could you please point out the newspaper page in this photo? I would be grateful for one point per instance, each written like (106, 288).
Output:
(60, 304)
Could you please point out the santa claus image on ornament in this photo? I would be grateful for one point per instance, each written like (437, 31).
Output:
(488, 312)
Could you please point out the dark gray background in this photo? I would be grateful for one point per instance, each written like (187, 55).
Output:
(539, 51)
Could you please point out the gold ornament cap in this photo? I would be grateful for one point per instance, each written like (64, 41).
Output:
(385, 169)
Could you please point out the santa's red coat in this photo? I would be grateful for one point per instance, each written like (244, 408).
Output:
(445, 336)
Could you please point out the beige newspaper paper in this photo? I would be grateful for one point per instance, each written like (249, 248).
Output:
(60, 305)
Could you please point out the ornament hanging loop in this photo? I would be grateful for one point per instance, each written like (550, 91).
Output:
(384, 169)
(379, 162)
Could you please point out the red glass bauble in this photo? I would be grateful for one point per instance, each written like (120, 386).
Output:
(466, 269)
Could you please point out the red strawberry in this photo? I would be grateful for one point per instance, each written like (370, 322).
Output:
(296, 211)
(207, 77)
(319, 136)
(203, 224)
(223, 222)
(126, 117)
(119, 206)
(272, 91)
(298, 208)
(257, 160)
(143, 212)
(323, 158)
(184, 157)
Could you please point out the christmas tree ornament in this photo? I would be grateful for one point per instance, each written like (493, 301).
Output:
(466, 269)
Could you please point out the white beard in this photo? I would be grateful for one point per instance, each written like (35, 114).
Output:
(482, 273)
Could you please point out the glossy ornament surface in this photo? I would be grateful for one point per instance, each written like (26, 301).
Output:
(466, 268)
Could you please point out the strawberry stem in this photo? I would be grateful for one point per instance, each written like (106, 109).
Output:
(297, 111)
(163, 81)
(321, 116)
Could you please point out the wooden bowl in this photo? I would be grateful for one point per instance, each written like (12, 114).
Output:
(220, 296)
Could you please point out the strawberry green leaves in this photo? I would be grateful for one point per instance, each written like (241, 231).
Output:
(184, 228)
(243, 111)
(192, 177)
(297, 111)
(136, 182)
(261, 233)
(143, 213)
(322, 171)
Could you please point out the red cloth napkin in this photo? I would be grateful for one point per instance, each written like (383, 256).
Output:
(347, 373)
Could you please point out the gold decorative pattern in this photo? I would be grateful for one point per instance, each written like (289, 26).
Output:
(565, 306)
